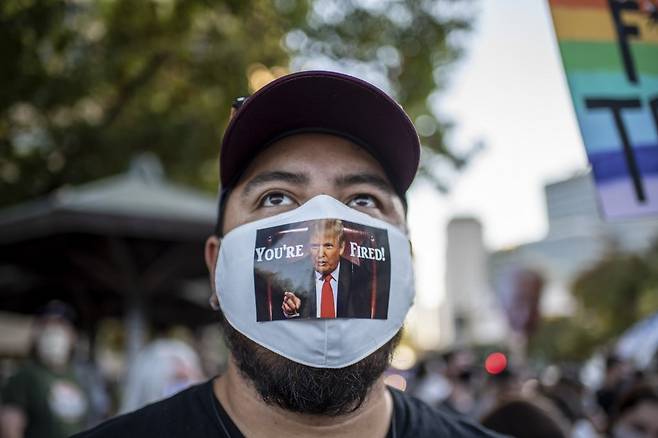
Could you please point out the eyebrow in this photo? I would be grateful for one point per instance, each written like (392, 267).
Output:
(364, 178)
(274, 176)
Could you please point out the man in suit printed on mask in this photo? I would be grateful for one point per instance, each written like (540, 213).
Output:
(338, 288)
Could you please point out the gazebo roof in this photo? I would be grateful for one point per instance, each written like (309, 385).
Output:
(94, 245)
(139, 202)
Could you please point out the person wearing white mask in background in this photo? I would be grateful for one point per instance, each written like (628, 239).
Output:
(44, 398)
(161, 369)
(309, 146)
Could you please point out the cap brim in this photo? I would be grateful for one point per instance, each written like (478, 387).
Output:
(329, 102)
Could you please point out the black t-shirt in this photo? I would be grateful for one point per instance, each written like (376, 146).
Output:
(196, 413)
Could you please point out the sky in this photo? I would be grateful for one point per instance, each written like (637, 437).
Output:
(509, 91)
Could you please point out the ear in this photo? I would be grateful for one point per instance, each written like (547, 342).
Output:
(342, 247)
(211, 252)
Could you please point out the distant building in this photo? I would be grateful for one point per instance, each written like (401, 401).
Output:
(476, 312)
(577, 238)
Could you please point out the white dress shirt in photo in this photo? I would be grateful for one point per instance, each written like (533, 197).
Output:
(319, 281)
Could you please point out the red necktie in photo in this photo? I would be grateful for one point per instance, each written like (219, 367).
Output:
(327, 304)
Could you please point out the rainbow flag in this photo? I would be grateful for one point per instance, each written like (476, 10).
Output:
(609, 51)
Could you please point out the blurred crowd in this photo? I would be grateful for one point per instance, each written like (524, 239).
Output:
(55, 392)
(58, 390)
(606, 397)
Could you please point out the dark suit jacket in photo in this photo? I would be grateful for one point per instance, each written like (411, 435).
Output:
(353, 296)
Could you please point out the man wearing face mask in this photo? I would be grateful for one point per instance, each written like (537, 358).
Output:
(44, 398)
(309, 146)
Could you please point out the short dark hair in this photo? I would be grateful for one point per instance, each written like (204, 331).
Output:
(523, 418)
(640, 393)
(57, 309)
(221, 211)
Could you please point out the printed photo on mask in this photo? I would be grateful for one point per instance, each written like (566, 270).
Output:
(324, 268)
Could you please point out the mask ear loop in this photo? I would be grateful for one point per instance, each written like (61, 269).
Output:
(213, 300)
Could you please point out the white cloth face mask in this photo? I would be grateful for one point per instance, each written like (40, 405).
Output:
(323, 285)
(54, 346)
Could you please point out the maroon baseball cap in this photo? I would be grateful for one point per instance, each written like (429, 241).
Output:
(322, 101)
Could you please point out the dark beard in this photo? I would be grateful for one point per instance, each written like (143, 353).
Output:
(301, 388)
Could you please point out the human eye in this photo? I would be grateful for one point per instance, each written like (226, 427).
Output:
(275, 199)
(362, 200)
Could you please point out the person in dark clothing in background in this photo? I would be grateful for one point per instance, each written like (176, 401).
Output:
(44, 398)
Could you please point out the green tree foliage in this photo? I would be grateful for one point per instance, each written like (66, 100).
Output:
(618, 291)
(86, 85)
(94, 83)
(608, 294)
(405, 46)
(562, 339)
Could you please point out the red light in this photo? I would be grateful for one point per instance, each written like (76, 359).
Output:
(495, 363)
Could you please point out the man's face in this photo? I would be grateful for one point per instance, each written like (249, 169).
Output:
(300, 167)
(281, 178)
(326, 250)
